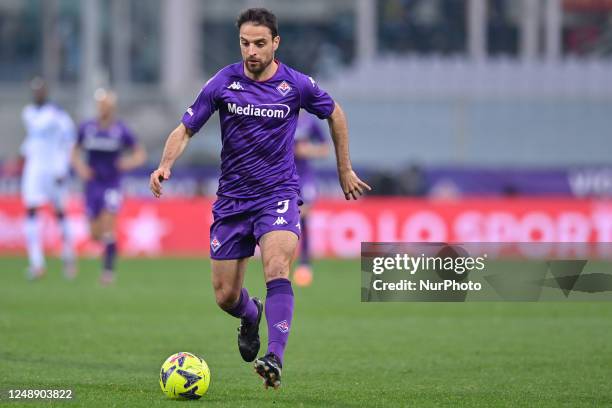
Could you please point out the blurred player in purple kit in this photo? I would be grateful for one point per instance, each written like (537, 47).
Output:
(310, 143)
(258, 100)
(104, 141)
(50, 135)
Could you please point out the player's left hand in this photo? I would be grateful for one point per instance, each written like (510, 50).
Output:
(124, 164)
(157, 177)
(352, 186)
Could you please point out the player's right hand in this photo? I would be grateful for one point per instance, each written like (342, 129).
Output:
(155, 182)
(85, 172)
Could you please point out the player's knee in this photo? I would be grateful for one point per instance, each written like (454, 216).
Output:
(276, 267)
(95, 232)
(107, 236)
(226, 297)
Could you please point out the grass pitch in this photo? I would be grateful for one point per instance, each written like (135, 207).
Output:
(108, 343)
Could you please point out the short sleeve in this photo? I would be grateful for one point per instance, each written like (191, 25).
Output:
(203, 107)
(314, 99)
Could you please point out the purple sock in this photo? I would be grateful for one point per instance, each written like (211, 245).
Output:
(304, 244)
(245, 307)
(110, 252)
(279, 312)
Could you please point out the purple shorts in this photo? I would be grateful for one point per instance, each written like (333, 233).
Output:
(101, 196)
(239, 224)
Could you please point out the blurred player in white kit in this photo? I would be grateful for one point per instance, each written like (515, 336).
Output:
(50, 136)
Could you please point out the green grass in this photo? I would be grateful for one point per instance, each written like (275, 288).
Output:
(108, 343)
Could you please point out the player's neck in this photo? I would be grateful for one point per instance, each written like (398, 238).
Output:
(105, 122)
(263, 75)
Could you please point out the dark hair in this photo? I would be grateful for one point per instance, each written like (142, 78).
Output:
(259, 16)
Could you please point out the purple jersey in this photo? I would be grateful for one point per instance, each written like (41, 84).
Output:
(308, 130)
(258, 122)
(103, 147)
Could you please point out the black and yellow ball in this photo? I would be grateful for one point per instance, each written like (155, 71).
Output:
(184, 376)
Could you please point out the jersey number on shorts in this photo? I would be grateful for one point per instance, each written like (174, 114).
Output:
(284, 206)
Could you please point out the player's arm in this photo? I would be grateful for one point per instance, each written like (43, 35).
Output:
(67, 141)
(82, 169)
(175, 145)
(23, 148)
(195, 117)
(15, 165)
(352, 186)
(134, 159)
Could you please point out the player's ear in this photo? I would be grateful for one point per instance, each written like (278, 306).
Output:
(276, 42)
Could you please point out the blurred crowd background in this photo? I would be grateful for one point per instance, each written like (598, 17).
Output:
(444, 97)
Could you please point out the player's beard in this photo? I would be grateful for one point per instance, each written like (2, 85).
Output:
(258, 68)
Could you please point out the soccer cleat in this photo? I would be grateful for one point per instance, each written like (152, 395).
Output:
(269, 368)
(33, 274)
(302, 276)
(107, 278)
(70, 269)
(248, 335)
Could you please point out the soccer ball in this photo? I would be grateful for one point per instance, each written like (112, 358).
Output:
(184, 376)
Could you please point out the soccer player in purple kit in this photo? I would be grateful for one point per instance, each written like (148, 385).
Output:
(310, 143)
(104, 141)
(258, 100)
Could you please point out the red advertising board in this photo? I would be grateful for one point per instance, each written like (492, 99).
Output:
(587, 5)
(181, 226)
